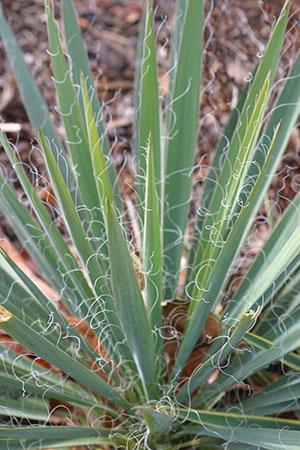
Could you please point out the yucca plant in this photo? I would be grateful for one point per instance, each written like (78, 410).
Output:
(137, 347)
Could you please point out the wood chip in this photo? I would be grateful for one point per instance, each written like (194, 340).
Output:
(10, 127)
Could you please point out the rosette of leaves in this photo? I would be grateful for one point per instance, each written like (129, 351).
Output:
(103, 357)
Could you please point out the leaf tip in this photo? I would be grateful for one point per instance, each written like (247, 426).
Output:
(5, 315)
(251, 314)
(48, 6)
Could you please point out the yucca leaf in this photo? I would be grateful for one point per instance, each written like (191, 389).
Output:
(148, 111)
(19, 386)
(31, 235)
(24, 375)
(69, 269)
(283, 304)
(277, 310)
(285, 390)
(51, 311)
(273, 269)
(100, 170)
(222, 264)
(75, 130)
(51, 443)
(219, 200)
(28, 408)
(25, 306)
(288, 224)
(287, 342)
(224, 145)
(215, 169)
(182, 127)
(34, 103)
(180, 11)
(267, 67)
(217, 224)
(80, 65)
(37, 306)
(268, 433)
(240, 446)
(234, 427)
(285, 112)
(291, 360)
(262, 438)
(292, 405)
(287, 107)
(130, 306)
(156, 423)
(102, 310)
(284, 321)
(205, 443)
(38, 437)
(138, 74)
(291, 289)
(234, 420)
(80, 239)
(152, 247)
(46, 350)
